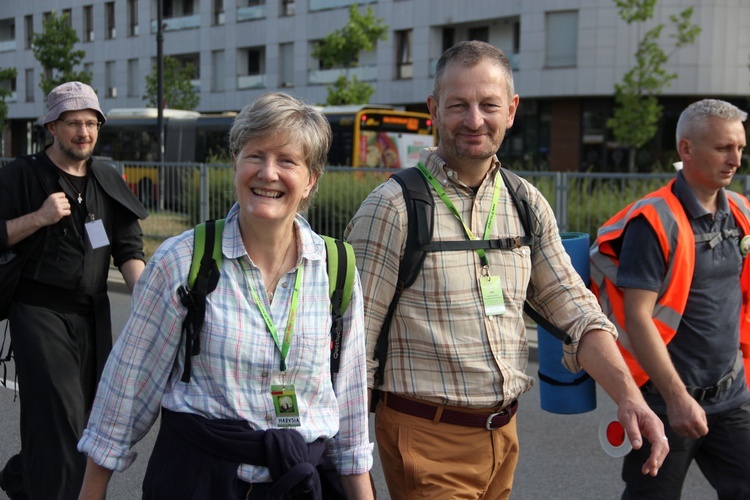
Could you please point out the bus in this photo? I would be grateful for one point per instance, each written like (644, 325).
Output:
(369, 135)
(363, 135)
(377, 136)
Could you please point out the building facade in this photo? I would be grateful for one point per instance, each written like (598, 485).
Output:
(566, 55)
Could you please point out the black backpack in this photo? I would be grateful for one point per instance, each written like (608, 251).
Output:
(420, 206)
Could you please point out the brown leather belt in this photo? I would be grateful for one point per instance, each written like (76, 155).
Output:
(488, 421)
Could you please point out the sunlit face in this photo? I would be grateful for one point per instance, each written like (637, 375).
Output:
(271, 178)
(75, 142)
(712, 159)
(472, 112)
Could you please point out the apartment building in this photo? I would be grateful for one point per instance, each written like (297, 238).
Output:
(566, 57)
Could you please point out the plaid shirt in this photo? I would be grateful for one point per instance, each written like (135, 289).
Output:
(443, 347)
(239, 360)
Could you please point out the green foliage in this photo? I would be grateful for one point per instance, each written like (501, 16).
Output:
(338, 198)
(341, 48)
(53, 48)
(6, 74)
(349, 91)
(178, 90)
(637, 110)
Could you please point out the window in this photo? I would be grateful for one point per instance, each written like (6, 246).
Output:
(69, 19)
(88, 23)
(217, 71)
(562, 39)
(219, 16)
(109, 20)
(109, 79)
(287, 7)
(251, 68)
(132, 17)
(286, 54)
(133, 78)
(449, 38)
(404, 66)
(479, 33)
(30, 85)
(10, 86)
(28, 23)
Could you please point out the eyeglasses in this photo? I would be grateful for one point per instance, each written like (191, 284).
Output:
(75, 126)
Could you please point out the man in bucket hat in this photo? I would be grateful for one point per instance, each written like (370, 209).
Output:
(67, 214)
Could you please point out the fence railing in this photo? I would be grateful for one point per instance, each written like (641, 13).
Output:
(179, 195)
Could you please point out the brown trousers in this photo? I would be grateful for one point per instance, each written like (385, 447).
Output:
(426, 460)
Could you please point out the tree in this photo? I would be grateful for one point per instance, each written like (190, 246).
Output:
(637, 110)
(53, 48)
(6, 75)
(341, 48)
(178, 89)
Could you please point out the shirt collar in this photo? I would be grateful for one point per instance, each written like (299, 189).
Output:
(692, 205)
(313, 247)
(444, 174)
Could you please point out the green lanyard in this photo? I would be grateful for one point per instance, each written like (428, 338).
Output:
(289, 330)
(448, 203)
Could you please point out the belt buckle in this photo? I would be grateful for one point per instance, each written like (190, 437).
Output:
(488, 424)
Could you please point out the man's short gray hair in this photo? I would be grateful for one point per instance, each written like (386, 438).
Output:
(471, 53)
(694, 118)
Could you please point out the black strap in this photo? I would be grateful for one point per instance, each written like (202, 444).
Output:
(195, 299)
(337, 317)
(420, 207)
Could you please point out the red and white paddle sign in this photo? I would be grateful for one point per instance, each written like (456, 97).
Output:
(613, 438)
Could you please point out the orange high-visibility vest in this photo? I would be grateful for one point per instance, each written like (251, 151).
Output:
(667, 218)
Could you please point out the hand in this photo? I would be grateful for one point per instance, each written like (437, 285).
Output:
(640, 422)
(54, 208)
(686, 416)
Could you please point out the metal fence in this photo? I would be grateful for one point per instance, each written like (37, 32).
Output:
(179, 195)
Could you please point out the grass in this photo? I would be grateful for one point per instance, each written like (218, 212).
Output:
(158, 224)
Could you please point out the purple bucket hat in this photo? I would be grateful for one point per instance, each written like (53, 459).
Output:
(72, 96)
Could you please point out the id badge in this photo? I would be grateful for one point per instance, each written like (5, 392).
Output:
(285, 405)
(492, 295)
(97, 234)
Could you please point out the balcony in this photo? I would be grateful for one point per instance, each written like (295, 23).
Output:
(178, 23)
(250, 12)
(251, 82)
(327, 76)
(7, 45)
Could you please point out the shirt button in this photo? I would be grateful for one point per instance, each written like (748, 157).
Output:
(284, 285)
(264, 375)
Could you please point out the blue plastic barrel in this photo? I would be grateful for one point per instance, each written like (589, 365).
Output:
(561, 391)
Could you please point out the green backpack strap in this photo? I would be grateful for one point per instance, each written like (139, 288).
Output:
(341, 269)
(203, 277)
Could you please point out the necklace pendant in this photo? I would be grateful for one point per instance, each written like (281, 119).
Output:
(80, 199)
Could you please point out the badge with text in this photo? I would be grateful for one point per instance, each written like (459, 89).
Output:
(492, 295)
(97, 234)
(285, 405)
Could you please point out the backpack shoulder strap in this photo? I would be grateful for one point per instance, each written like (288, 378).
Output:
(420, 207)
(341, 265)
(202, 280)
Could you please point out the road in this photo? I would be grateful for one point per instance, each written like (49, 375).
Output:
(560, 457)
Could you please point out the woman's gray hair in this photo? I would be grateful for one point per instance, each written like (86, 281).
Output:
(468, 54)
(694, 119)
(301, 124)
